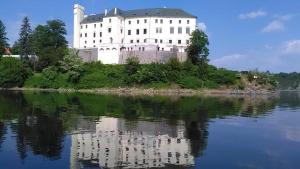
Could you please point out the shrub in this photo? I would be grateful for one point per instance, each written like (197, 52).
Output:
(190, 82)
(13, 73)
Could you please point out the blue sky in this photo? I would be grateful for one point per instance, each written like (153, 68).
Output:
(244, 34)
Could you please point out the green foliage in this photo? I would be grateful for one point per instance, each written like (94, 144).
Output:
(24, 42)
(72, 65)
(12, 72)
(49, 43)
(198, 51)
(3, 39)
(288, 81)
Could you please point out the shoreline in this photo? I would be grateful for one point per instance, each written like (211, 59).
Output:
(153, 92)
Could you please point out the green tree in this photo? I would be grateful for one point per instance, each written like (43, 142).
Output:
(15, 49)
(3, 39)
(24, 43)
(12, 72)
(72, 65)
(198, 50)
(49, 43)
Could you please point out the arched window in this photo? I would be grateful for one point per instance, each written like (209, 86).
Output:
(107, 49)
(114, 49)
(101, 49)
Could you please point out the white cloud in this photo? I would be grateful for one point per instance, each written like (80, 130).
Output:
(252, 15)
(202, 26)
(274, 26)
(291, 47)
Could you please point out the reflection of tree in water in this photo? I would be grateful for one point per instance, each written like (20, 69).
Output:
(2, 132)
(41, 132)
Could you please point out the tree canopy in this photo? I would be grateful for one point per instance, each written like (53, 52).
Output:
(23, 44)
(198, 50)
(49, 43)
(3, 39)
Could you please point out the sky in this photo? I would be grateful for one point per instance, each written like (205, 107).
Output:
(243, 34)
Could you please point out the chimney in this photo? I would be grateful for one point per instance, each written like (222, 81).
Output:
(115, 11)
(105, 13)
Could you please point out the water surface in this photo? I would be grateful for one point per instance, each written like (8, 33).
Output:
(52, 130)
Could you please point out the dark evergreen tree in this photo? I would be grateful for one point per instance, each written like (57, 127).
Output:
(24, 44)
(3, 39)
(198, 50)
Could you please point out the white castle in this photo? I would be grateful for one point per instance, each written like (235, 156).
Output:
(112, 144)
(114, 34)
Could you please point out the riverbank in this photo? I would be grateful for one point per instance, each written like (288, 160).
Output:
(152, 92)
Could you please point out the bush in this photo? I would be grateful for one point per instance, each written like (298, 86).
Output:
(190, 82)
(13, 73)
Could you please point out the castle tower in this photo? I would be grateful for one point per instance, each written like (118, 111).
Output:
(78, 17)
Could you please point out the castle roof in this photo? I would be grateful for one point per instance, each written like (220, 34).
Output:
(138, 13)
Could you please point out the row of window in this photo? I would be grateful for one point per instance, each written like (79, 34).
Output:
(158, 21)
(138, 22)
(145, 31)
(145, 41)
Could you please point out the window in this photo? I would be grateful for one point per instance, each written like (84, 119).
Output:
(101, 25)
(161, 21)
(188, 30)
(172, 30)
(100, 41)
(170, 41)
(145, 20)
(187, 42)
(85, 34)
(85, 42)
(145, 40)
(111, 40)
(129, 22)
(109, 20)
(94, 35)
(109, 30)
(94, 41)
(100, 34)
(131, 41)
(156, 20)
(145, 31)
(143, 48)
(138, 21)
(129, 32)
(95, 25)
(138, 41)
(179, 41)
(161, 41)
(188, 21)
(156, 40)
(171, 21)
(81, 35)
(121, 30)
(158, 30)
(179, 21)
(80, 26)
(179, 30)
(137, 31)
(86, 26)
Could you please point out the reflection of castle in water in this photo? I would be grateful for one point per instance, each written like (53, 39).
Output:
(112, 143)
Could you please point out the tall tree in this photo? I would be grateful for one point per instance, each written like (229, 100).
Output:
(49, 43)
(198, 50)
(3, 39)
(24, 44)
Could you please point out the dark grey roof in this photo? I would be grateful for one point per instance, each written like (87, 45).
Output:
(93, 18)
(153, 12)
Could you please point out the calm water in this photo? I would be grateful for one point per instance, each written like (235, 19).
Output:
(50, 130)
